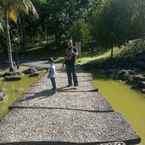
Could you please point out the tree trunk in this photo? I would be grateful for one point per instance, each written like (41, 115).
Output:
(47, 36)
(20, 26)
(9, 45)
(112, 52)
(57, 40)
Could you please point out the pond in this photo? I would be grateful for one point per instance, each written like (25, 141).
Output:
(125, 100)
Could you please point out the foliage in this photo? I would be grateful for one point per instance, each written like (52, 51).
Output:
(80, 33)
(56, 17)
(10, 10)
(108, 22)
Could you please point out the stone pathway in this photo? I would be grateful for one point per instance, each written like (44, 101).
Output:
(85, 97)
(71, 115)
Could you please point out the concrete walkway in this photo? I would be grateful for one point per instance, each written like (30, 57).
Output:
(71, 115)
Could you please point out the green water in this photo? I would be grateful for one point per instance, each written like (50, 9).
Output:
(127, 101)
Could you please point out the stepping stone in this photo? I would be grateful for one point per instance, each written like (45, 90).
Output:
(12, 78)
(65, 126)
(88, 101)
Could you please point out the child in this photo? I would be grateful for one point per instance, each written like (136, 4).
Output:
(52, 74)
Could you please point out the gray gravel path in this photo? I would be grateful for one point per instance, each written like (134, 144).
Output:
(71, 115)
(64, 126)
(85, 97)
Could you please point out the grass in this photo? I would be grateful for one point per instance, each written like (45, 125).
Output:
(86, 59)
(14, 90)
(130, 50)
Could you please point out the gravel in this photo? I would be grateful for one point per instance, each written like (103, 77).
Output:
(71, 116)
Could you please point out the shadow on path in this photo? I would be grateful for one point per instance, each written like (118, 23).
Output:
(42, 94)
(48, 93)
(74, 89)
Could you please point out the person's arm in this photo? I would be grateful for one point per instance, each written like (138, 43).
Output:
(64, 61)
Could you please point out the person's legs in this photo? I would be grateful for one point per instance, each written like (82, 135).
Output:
(75, 79)
(53, 83)
(69, 76)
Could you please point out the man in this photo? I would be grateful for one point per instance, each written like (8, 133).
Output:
(70, 60)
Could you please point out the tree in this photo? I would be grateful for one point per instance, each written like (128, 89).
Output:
(109, 24)
(11, 10)
(58, 16)
(115, 22)
(80, 33)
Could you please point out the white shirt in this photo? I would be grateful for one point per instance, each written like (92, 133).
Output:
(52, 71)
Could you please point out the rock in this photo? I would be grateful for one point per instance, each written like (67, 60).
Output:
(30, 71)
(11, 73)
(12, 77)
(125, 75)
(2, 95)
(143, 91)
(140, 85)
(138, 77)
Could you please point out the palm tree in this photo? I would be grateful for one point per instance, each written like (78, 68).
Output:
(11, 9)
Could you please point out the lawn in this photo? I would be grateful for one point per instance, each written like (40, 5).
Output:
(14, 90)
(134, 50)
(85, 59)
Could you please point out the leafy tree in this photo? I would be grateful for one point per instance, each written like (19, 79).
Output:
(114, 22)
(58, 16)
(10, 10)
(80, 33)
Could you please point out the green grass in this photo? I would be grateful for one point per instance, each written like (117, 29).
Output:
(14, 90)
(107, 54)
(129, 50)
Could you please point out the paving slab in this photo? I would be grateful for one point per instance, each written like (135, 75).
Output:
(68, 101)
(65, 126)
(83, 98)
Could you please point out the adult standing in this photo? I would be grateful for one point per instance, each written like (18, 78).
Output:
(70, 61)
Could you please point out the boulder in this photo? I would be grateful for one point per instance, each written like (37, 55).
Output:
(121, 73)
(140, 85)
(11, 74)
(125, 74)
(139, 77)
(14, 77)
(32, 71)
